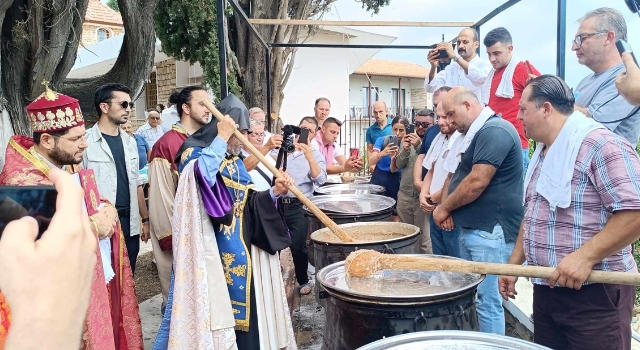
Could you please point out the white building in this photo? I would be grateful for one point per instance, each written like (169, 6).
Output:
(343, 75)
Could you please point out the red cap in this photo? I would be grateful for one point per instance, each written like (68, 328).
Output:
(53, 111)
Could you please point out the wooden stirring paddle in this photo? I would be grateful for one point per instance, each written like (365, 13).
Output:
(292, 188)
(362, 263)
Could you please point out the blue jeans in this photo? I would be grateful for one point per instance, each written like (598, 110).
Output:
(482, 246)
(444, 242)
(525, 161)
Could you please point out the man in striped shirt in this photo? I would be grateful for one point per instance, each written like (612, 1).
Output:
(582, 199)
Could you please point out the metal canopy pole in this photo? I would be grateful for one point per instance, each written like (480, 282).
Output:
(346, 46)
(268, 72)
(495, 12)
(224, 88)
(562, 38)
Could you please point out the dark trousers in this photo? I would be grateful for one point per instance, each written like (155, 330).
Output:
(298, 224)
(598, 316)
(132, 242)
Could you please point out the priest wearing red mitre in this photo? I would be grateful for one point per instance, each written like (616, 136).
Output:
(112, 321)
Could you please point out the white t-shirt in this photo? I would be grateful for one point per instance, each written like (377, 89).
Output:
(439, 173)
(262, 184)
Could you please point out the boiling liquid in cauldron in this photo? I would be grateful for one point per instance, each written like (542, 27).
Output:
(406, 283)
(369, 233)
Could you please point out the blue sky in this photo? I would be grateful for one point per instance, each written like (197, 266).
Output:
(532, 23)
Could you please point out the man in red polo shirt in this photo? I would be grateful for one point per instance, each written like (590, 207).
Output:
(505, 83)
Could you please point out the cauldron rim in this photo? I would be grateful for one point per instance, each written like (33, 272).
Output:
(317, 200)
(429, 336)
(379, 190)
(366, 244)
(349, 296)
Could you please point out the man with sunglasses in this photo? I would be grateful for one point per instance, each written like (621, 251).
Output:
(152, 131)
(113, 156)
(596, 95)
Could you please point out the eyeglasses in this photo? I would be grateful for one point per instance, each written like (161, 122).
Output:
(77, 139)
(153, 118)
(123, 104)
(424, 124)
(256, 135)
(580, 38)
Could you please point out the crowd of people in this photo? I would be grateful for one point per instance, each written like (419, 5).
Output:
(462, 171)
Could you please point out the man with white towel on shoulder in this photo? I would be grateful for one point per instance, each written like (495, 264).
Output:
(504, 85)
(582, 213)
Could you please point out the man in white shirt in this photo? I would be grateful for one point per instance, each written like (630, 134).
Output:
(151, 131)
(443, 242)
(467, 69)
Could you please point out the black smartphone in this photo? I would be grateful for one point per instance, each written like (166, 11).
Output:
(411, 129)
(624, 46)
(20, 201)
(304, 136)
(394, 140)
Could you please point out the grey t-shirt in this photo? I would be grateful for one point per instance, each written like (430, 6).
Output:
(496, 143)
(599, 94)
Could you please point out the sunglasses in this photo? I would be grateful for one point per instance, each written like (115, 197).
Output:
(154, 118)
(123, 104)
(424, 124)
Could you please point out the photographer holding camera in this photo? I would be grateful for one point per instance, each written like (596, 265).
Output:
(307, 167)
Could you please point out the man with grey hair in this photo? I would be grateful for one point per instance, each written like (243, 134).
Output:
(269, 143)
(596, 95)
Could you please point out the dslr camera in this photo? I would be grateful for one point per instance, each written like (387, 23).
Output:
(288, 132)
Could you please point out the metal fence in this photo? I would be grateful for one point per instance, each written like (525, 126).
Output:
(354, 130)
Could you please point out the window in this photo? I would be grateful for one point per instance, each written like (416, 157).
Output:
(397, 100)
(103, 34)
(151, 91)
(369, 97)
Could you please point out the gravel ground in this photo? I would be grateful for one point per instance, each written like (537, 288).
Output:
(146, 279)
(308, 323)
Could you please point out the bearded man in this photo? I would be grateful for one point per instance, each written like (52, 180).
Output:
(226, 289)
(112, 321)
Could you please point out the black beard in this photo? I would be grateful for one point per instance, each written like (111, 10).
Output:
(62, 158)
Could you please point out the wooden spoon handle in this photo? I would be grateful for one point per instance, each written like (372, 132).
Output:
(452, 265)
(292, 188)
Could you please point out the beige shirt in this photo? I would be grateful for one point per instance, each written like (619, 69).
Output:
(98, 157)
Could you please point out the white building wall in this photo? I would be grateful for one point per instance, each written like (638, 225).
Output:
(385, 87)
(323, 72)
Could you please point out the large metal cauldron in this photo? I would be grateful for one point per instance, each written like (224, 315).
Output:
(350, 188)
(327, 251)
(350, 208)
(359, 311)
(452, 340)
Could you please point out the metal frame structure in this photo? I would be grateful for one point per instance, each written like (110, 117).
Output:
(561, 38)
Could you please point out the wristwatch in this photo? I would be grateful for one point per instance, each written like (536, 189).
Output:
(145, 220)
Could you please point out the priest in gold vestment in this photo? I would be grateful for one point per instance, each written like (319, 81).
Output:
(112, 321)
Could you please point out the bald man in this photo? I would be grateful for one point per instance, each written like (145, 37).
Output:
(484, 193)
(381, 128)
(466, 69)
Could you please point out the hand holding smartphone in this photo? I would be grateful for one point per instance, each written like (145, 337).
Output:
(623, 46)
(20, 201)
(304, 136)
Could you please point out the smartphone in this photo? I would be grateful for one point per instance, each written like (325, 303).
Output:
(20, 201)
(304, 136)
(354, 153)
(394, 140)
(411, 129)
(623, 46)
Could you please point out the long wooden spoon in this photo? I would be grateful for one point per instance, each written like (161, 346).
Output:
(345, 237)
(362, 263)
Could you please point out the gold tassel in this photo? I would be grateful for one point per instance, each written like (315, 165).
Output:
(48, 93)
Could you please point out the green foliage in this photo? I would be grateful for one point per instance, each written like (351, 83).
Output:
(188, 31)
(373, 5)
(113, 4)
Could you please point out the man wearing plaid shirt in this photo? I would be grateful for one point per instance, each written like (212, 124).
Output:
(582, 199)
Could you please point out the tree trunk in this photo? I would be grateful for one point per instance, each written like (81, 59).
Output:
(40, 42)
